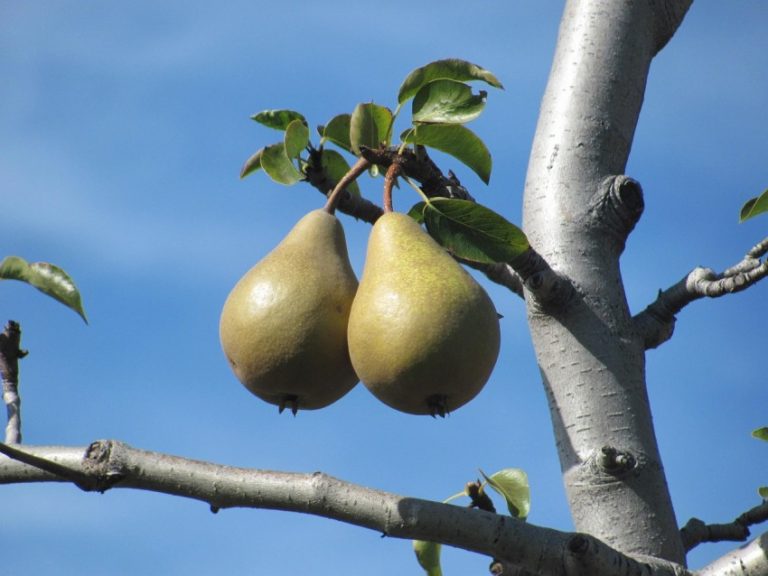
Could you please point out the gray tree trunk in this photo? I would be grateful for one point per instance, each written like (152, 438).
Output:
(578, 212)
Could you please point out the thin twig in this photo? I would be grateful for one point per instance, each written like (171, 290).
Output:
(75, 476)
(10, 354)
(696, 531)
(656, 323)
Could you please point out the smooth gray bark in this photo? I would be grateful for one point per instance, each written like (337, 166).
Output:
(577, 215)
(535, 550)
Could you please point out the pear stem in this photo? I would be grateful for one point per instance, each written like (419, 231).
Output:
(389, 181)
(333, 198)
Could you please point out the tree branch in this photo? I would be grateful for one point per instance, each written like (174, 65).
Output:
(748, 560)
(577, 212)
(657, 322)
(111, 464)
(416, 164)
(419, 166)
(695, 531)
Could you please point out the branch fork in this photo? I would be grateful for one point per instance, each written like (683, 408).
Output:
(657, 322)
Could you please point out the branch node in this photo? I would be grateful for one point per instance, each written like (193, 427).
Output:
(417, 164)
(479, 498)
(101, 467)
(616, 207)
(578, 545)
(616, 462)
(551, 291)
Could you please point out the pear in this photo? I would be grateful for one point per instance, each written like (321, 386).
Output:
(283, 327)
(423, 334)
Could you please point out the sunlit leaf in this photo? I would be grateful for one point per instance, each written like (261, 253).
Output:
(761, 433)
(368, 126)
(763, 491)
(512, 484)
(450, 69)
(252, 164)
(337, 131)
(754, 206)
(456, 140)
(428, 556)
(296, 138)
(473, 232)
(278, 119)
(278, 166)
(47, 278)
(446, 101)
(335, 167)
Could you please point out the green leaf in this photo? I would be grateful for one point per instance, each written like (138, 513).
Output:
(278, 166)
(761, 433)
(336, 167)
(296, 138)
(446, 101)
(47, 278)
(337, 131)
(472, 231)
(763, 491)
(450, 69)
(428, 556)
(417, 212)
(278, 119)
(754, 206)
(512, 484)
(252, 164)
(456, 140)
(368, 126)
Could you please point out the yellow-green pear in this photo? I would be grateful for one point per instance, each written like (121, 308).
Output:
(423, 335)
(284, 325)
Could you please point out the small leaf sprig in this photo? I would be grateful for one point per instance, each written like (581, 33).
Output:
(510, 483)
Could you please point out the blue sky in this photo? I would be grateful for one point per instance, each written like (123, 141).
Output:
(122, 132)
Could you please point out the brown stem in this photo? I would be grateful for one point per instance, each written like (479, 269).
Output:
(357, 169)
(389, 182)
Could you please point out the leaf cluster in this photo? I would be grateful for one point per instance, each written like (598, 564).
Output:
(441, 103)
